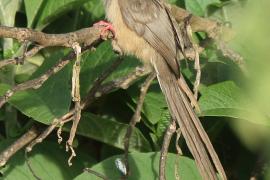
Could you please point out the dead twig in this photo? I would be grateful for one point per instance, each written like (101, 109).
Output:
(179, 152)
(28, 163)
(48, 131)
(76, 97)
(101, 176)
(198, 24)
(214, 30)
(102, 90)
(164, 150)
(38, 82)
(15, 60)
(136, 118)
(235, 57)
(17, 145)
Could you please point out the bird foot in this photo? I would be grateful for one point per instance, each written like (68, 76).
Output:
(104, 28)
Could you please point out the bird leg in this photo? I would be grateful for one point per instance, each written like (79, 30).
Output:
(104, 28)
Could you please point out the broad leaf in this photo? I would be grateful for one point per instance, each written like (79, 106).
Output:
(8, 9)
(154, 103)
(95, 8)
(32, 8)
(51, 100)
(199, 7)
(226, 99)
(45, 11)
(145, 166)
(111, 132)
(94, 63)
(48, 162)
(3, 89)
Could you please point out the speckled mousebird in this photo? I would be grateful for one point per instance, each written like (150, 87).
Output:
(146, 29)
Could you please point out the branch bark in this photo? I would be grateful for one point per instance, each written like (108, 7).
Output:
(84, 36)
(17, 145)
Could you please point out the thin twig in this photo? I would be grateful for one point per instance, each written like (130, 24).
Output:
(48, 131)
(102, 90)
(95, 90)
(27, 54)
(76, 97)
(17, 145)
(179, 152)
(101, 176)
(197, 67)
(28, 163)
(136, 118)
(164, 150)
(123, 82)
(214, 30)
(38, 82)
(198, 24)
(235, 57)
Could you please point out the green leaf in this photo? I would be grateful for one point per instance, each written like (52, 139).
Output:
(199, 7)
(144, 166)
(226, 99)
(154, 103)
(8, 9)
(51, 100)
(94, 63)
(32, 8)
(48, 162)
(110, 132)
(45, 11)
(3, 89)
(220, 99)
(163, 123)
(95, 8)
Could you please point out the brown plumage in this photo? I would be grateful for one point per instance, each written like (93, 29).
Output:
(145, 28)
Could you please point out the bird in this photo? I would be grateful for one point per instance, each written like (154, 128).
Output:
(147, 30)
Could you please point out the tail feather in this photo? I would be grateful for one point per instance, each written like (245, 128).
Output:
(195, 136)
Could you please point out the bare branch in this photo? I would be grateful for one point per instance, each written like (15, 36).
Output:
(214, 30)
(101, 176)
(48, 130)
(17, 145)
(15, 60)
(197, 23)
(136, 117)
(76, 98)
(164, 150)
(84, 36)
(28, 163)
(235, 57)
(36, 83)
(97, 88)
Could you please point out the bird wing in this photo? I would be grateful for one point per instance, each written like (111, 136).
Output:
(150, 19)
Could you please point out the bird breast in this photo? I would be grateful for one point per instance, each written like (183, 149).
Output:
(127, 40)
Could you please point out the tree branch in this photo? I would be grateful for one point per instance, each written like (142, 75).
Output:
(136, 117)
(15, 60)
(92, 95)
(84, 36)
(38, 82)
(164, 150)
(17, 145)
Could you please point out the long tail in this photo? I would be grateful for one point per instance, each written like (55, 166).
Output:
(195, 136)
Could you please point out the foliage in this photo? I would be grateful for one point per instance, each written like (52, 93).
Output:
(227, 102)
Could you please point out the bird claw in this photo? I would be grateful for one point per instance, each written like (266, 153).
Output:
(104, 27)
